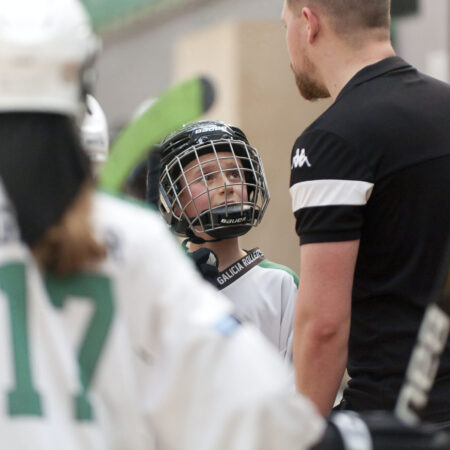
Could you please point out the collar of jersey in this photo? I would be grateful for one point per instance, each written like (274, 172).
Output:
(252, 258)
(375, 70)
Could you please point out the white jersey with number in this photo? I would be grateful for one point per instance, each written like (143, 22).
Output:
(135, 353)
(264, 293)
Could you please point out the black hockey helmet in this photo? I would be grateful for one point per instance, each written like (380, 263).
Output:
(188, 144)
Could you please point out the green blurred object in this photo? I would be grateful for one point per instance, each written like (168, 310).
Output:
(181, 104)
(107, 13)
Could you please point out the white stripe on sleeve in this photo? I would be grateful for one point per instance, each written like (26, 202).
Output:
(329, 192)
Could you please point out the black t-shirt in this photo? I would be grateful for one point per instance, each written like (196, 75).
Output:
(376, 167)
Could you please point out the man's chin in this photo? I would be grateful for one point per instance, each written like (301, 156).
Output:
(313, 95)
(312, 98)
(309, 89)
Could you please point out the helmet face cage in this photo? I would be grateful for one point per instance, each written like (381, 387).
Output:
(235, 165)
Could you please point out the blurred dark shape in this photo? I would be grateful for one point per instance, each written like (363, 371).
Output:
(404, 7)
(136, 183)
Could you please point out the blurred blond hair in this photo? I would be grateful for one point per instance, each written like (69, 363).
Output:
(69, 245)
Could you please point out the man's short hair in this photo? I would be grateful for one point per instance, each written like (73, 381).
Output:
(352, 15)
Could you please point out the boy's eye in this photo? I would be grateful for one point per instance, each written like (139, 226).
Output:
(209, 176)
(230, 174)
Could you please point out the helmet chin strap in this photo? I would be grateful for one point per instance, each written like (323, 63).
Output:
(222, 214)
(191, 237)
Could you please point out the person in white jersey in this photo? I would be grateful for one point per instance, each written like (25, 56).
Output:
(109, 338)
(214, 190)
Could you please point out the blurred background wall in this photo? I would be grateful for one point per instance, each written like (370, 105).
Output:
(423, 37)
(151, 44)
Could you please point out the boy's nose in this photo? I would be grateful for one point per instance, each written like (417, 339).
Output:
(227, 186)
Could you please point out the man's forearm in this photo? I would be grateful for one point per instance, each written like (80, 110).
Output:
(319, 365)
(322, 319)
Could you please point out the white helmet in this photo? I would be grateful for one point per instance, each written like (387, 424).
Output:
(94, 133)
(47, 48)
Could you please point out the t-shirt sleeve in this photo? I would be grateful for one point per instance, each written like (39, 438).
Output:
(330, 185)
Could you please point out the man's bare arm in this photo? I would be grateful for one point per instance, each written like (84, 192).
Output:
(322, 319)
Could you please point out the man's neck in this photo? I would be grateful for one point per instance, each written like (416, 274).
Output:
(346, 63)
(228, 251)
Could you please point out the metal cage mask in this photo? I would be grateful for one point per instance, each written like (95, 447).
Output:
(192, 180)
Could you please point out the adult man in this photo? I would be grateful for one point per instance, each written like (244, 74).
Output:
(369, 187)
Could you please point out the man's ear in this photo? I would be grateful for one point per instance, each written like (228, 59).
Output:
(312, 21)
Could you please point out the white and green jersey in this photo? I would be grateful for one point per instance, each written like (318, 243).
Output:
(264, 293)
(136, 352)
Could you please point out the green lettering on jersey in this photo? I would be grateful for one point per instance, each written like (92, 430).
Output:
(97, 289)
(23, 399)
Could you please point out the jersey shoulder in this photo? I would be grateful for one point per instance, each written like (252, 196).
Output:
(130, 228)
(124, 212)
(284, 270)
(107, 197)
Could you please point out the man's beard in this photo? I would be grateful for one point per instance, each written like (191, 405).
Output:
(309, 89)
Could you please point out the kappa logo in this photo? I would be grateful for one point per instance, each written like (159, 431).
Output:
(300, 159)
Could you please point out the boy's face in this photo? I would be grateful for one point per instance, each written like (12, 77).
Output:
(210, 182)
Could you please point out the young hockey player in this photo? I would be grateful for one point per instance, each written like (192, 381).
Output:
(213, 190)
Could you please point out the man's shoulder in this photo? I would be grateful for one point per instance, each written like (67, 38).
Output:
(333, 123)
(321, 123)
